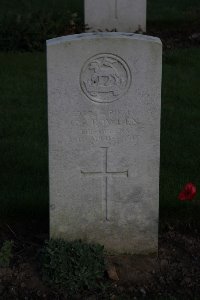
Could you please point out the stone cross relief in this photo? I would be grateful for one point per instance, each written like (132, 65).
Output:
(104, 175)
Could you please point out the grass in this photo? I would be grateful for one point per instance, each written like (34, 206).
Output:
(172, 14)
(24, 153)
(23, 135)
(180, 141)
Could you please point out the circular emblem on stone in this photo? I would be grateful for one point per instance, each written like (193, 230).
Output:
(105, 78)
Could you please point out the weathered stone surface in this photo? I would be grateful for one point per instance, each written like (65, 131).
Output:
(104, 95)
(118, 15)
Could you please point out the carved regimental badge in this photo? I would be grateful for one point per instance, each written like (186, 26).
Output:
(105, 78)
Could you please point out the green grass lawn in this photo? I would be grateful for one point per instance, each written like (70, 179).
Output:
(23, 132)
(180, 135)
(172, 14)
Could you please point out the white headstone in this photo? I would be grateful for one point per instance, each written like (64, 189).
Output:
(104, 95)
(118, 15)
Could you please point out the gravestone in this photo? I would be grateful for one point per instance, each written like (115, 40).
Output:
(104, 95)
(117, 15)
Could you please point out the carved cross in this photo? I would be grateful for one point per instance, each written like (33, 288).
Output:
(116, 9)
(105, 174)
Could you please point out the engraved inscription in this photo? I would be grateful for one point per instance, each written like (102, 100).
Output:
(108, 118)
(105, 78)
(105, 175)
(109, 127)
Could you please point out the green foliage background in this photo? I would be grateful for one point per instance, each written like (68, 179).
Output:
(24, 26)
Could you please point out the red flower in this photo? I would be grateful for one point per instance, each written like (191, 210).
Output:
(188, 192)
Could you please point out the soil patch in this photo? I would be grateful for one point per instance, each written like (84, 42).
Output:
(175, 272)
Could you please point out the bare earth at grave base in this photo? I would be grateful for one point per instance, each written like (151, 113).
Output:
(175, 272)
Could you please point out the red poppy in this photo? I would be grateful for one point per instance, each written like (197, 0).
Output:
(188, 193)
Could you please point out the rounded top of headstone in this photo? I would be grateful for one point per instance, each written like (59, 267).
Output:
(101, 35)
